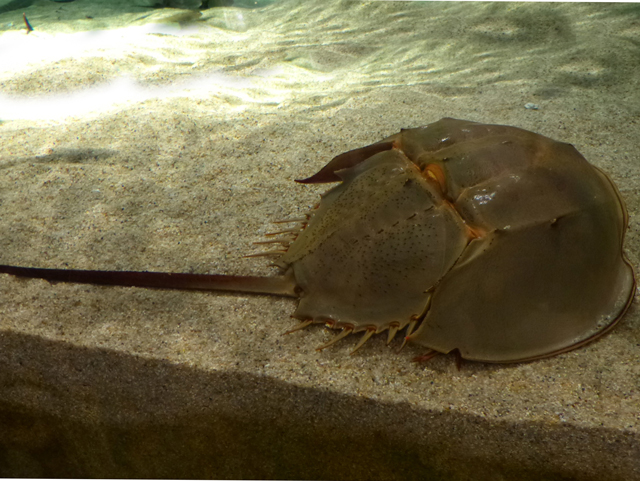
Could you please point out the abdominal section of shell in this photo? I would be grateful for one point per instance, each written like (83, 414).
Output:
(491, 241)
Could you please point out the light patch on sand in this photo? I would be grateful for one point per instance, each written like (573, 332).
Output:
(23, 54)
(106, 97)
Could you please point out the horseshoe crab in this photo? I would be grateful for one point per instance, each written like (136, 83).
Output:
(488, 240)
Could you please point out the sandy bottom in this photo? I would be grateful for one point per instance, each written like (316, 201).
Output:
(168, 140)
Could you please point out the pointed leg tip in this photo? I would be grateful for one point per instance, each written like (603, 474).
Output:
(300, 326)
(393, 330)
(409, 331)
(425, 357)
(343, 334)
(368, 333)
(404, 343)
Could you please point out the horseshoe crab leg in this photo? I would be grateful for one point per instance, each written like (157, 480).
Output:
(368, 333)
(430, 354)
(302, 325)
(283, 285)
(272, 253)
(298, 220)
(346, 331)
(393, 329)
(410, 328)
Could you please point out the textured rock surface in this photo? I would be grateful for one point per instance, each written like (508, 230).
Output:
(120, 382)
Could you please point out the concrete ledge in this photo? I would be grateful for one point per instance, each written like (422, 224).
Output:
(93, 413)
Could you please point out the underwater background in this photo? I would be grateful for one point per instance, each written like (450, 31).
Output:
(166, 135)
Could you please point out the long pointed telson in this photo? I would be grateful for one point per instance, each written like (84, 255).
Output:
(278, 285)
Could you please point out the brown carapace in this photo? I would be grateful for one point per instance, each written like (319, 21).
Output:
(490, 240)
